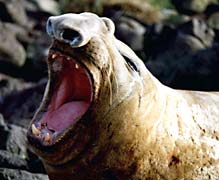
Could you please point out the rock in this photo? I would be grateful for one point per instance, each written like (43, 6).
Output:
(130, 31)
(19, 107)
(9, 85)
(211, 9)
(13, 150)
(199, 71)
(11, 50)
(48, 6)
(212, 18)
(15, 174)
(4, 133)
(10, 160)
(38, 50)
(15, 12)
(177, 41)
(213, 21)
(138, 9)
(172, 49)
(196, 70)
(186, 44)
(164, 64)
(191, 7)
(2, 122)
(22, 24)
(200, 30)
(14, 153)
(158, 38)
(16, 141)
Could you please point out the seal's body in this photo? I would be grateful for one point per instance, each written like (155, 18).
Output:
(104, 115)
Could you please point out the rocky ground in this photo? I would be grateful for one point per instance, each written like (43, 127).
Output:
(179, 45)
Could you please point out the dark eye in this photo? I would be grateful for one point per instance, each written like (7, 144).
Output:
(131, 64)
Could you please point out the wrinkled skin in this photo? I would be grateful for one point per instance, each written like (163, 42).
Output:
(136, 128)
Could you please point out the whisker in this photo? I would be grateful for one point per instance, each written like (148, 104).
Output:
(111, 91)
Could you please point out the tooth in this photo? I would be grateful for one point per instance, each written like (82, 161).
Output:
(35, 131)
(54, 56)
(76, 66)
(47, 137)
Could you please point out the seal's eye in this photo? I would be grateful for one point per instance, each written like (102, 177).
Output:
(131, 64)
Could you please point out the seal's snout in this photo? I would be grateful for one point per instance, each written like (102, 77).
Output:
(78, 29)
(68, 29)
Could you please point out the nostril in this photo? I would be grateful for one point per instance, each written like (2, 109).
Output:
(49, 27)
(49, 23)
(70, 35)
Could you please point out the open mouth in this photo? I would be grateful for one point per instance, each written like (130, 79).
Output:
(67, 100)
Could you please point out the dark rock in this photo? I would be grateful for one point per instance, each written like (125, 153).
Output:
(14, 153)
(165, 63)
(2, 123)
(17, 40)
(171, 42)
(11, 50)
(34, 163)
(186, 44)
(9, 85)
(213, 21)
(16, 142)
(22, 25)
(38, 50)
(191, 7)
(199, 29)
(15, 12)
(4, 133)
(10, 160)
(196, 71)
(211, 9)
(15, 174)
(199, 71)
(158, 38)
(172, 52)
(13, 150)
(18, 107)
(131, 31)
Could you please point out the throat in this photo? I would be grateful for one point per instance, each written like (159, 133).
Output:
(70, 100)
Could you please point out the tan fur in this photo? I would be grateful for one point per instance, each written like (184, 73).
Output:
(138, 128)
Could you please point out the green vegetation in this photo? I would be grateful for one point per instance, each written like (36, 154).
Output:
(96, 5)
(161, 4)
(80, 5)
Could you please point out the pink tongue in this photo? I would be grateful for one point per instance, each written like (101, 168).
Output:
(65, 116)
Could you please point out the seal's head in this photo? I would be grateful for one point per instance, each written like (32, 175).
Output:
(91, 82)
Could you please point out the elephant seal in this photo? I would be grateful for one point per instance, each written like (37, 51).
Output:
(104, 116)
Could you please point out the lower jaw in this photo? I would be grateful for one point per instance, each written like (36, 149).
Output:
(67, 149)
